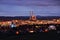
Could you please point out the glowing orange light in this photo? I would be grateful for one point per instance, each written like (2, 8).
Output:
(46, 30)
(17, 32)
(16, 20)
(9, 22)
(31, 31)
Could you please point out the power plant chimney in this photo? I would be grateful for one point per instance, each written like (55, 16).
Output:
(32, 16)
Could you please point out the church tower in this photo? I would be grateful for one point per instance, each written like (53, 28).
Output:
(32, 16)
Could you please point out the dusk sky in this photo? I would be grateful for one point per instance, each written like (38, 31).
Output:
(23, 7)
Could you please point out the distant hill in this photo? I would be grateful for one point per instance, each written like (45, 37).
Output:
(48, 17)
(27, 17)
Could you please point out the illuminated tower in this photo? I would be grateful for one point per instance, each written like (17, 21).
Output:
(32, 16)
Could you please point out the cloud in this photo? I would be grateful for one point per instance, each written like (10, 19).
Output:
(25, 10)
(23, 7)
(31, 2)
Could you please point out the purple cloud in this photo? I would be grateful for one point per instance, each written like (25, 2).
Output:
(23, 7)
(31, 2)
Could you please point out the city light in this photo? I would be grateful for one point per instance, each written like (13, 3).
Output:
(31, 31)
(17, 32)
(46, 30)
(37, 26)
(52, 27)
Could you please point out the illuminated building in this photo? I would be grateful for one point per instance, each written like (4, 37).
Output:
(13, 25)
(52, 27)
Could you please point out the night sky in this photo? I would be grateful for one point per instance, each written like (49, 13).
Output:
(23, 7)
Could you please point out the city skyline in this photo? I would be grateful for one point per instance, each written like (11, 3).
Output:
(23, 7)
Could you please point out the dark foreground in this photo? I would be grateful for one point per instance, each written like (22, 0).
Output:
(30, 36)
(10, 34)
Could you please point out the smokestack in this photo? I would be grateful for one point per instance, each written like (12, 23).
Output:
(32, 16)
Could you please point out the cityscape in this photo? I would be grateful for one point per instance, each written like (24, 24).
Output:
(32, 20)
(31, 26)
(29, 19)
